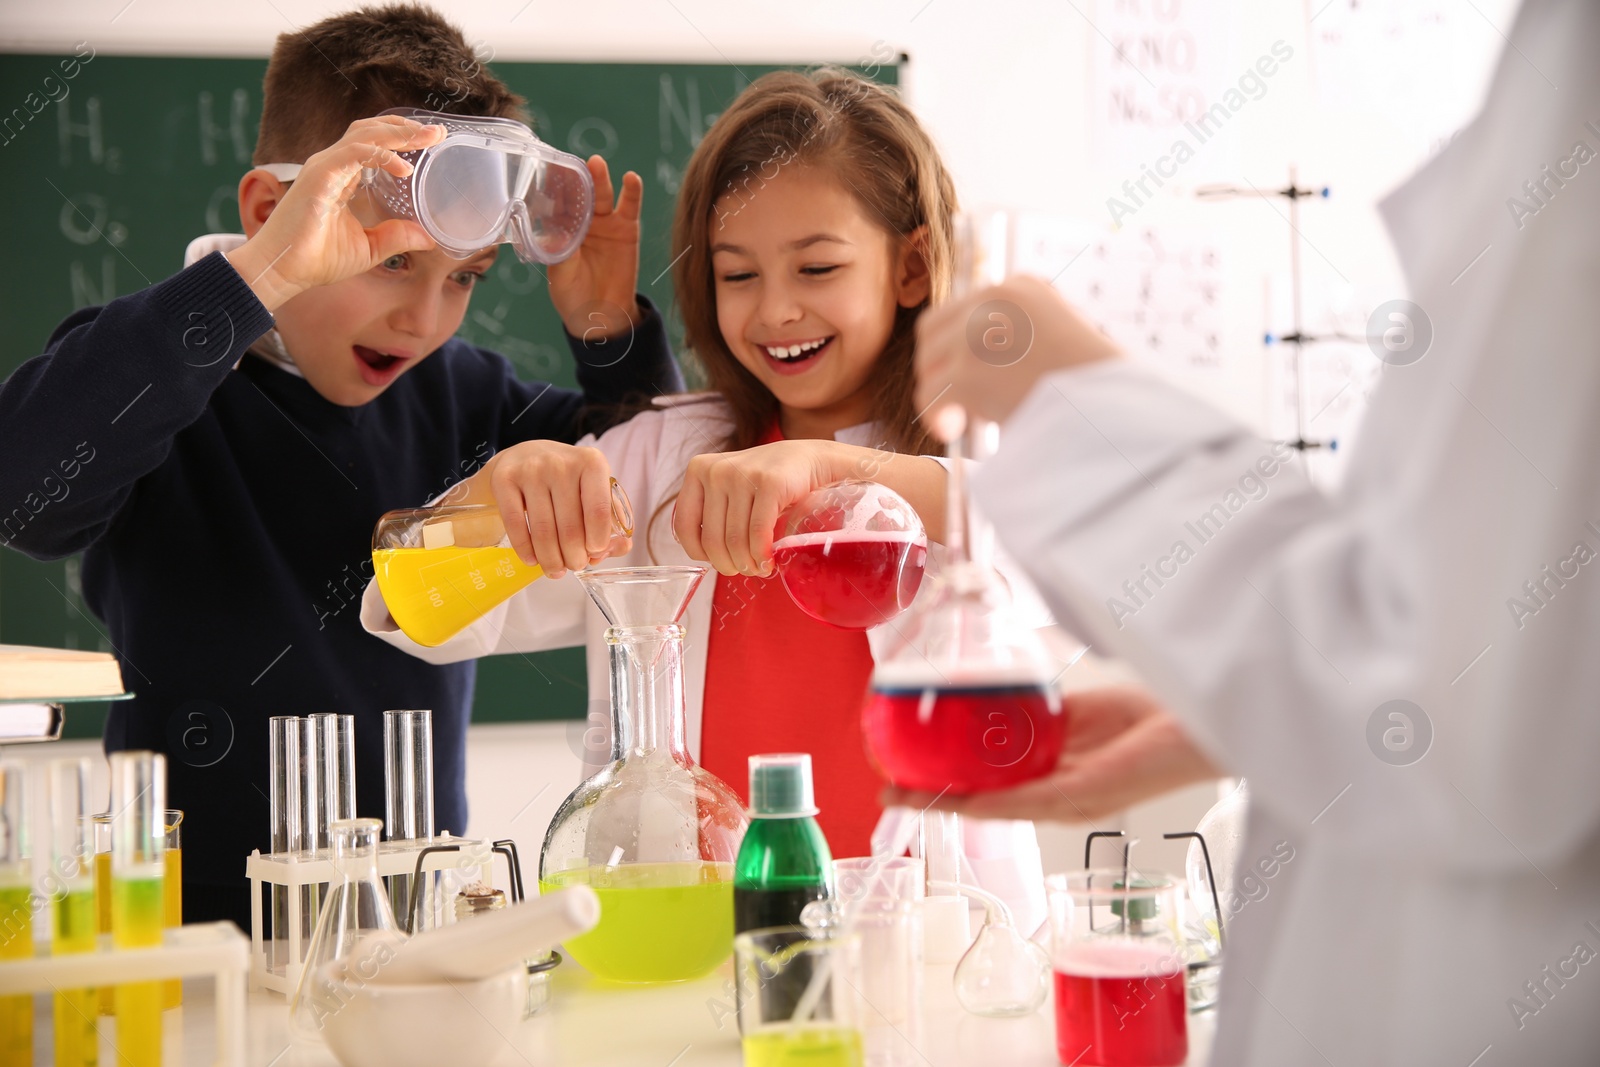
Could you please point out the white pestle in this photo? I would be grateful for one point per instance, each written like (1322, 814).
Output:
(483, 946)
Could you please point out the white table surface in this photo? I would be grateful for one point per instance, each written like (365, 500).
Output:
(597, 1024)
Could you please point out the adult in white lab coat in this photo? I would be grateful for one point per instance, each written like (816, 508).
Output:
(1443, 902)
(648, 456)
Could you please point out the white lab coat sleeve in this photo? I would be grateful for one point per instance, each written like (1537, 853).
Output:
(1165, 533)
(547, 614)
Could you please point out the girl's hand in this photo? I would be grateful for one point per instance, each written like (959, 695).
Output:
(555, 501)
(311, 238)
(593, 290)
(1123, 748)
(985, 352)
(730, 503)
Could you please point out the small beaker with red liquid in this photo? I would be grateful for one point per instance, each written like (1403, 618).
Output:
(851, 554)
(1119, 969)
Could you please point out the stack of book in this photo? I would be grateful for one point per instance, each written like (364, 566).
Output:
(35, 681)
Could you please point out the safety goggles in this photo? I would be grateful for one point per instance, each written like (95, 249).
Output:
(489, 181)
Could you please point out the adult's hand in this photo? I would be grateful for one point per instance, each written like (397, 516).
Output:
(1122, 748)
(986, 351)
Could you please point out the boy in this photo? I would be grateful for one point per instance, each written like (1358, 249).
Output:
(234, 432)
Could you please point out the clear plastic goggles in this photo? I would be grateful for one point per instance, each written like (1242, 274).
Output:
(490, 181)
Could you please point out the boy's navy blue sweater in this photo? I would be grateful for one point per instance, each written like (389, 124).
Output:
(226, 520)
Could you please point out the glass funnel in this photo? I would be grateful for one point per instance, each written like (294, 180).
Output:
(356, 931)
(655, 835)
(440, 569)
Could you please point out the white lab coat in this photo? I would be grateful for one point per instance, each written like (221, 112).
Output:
(648, 455)
(1430, 910)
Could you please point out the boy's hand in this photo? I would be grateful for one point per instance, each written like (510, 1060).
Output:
(555, 500)
(727, 512)
(986, 351)
(312, 238)
(593, 290)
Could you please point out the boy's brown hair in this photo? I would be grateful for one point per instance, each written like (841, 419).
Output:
(353, 66)
(863, 133)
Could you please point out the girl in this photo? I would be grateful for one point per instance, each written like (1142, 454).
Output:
(813, 228)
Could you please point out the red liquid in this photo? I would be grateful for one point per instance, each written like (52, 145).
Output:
(1139, 1021)
(964, 740)
(852, 581)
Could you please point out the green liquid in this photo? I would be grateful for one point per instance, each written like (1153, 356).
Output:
(16, 943)
(659, 922)
(138, 909)
(804, 1046)
(73, 930)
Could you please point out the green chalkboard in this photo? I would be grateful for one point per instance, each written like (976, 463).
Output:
(109, 165)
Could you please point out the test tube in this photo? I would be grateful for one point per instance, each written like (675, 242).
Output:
(284, 758)
(100, 837)
(339, 741)
(138, 908)
(16, 911)
(172, 902)
(75, 924)
(407, 790)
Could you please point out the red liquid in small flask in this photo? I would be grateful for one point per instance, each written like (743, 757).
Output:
(851, 554)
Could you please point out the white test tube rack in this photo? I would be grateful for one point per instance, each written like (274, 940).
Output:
(215, 950)
(295, 869)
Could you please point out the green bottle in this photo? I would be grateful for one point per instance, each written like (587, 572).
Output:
(784, 863)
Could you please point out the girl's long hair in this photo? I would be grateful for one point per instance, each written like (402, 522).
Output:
(858, 131)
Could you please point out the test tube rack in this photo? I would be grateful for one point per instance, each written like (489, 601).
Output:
(295, 869)
(215, 950)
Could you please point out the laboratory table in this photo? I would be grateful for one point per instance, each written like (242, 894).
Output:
(596, 1024)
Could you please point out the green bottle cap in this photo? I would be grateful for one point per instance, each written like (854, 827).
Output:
(780, 785)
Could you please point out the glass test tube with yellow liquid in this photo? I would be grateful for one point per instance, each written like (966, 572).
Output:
(172, 895)
(16, 911)
(440, 569)
(138, 907)
(74, 925)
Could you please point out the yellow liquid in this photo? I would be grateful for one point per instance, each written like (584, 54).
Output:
(659, 922)
(72, 931)
(137, 911)
(804, 1046)
(16, 943)
(102, 910)
(172, 915)
(435, 593)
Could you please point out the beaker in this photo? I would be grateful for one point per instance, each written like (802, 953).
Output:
(355, 931)
(1119, 969)
(851, 554)
(442, 568)
(798, 1000)
(652, 833)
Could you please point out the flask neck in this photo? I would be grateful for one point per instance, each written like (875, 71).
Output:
(647, 695)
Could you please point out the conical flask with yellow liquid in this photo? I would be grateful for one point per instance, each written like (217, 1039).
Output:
(442, 568)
